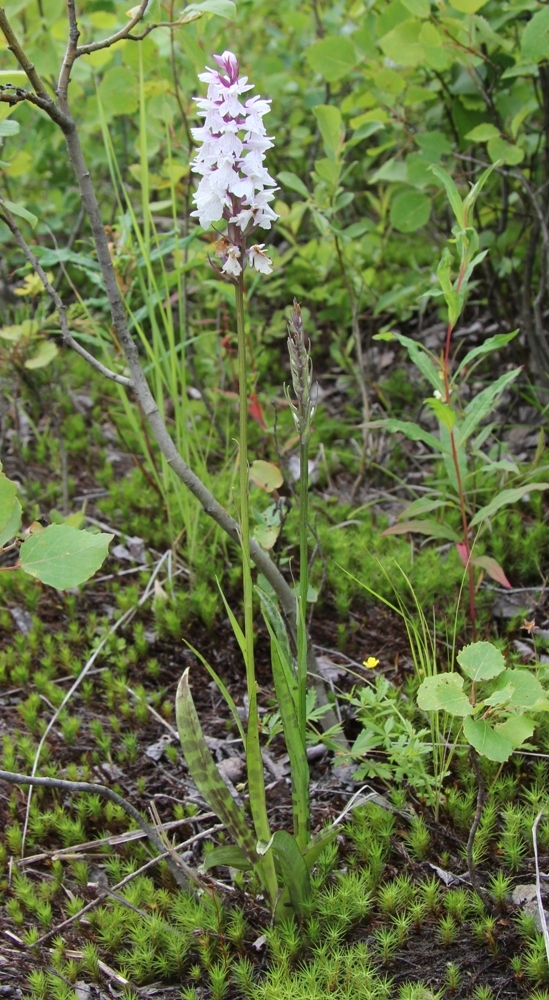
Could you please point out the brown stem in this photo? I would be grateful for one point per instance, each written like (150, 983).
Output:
(6, 216)
(61, 114)
(481, 795)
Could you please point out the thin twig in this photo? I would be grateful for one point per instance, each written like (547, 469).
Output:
(120, 885)
(76, 850)
(181, 872)
(481, 794)
(541, 910)
(85, 670)
(6, 216)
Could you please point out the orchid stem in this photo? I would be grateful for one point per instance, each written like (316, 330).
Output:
(254, 761)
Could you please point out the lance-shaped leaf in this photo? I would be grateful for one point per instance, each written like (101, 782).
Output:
(293, 871)
(411, 430)
(204, 773)
(233, 857)
(422, 358)
(481, 661)
(64, 557)
(427, 526)
(480, 405)
(493, 568)
(286, 690)
(503, 499)
(492, 344)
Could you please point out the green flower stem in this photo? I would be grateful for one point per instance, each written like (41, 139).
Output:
(254, 761)
(303, 834)
(303, 580)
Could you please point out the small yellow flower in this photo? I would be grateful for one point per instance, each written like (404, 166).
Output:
(371, 662)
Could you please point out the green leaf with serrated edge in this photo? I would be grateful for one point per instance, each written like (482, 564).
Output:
(486, 741)
(21, 212)
(535, 37)
(412, 431)
(292, 182)
(204, 773)
(292, 868)
(481, 661)
(266, 475)
(12, 527)
(499, 697)
(421, 357)
(517, 729)
(333, 57)
(454, 196)
(528, 693)
(443, 412)
(480, 405)
(503, 499)
(444, 692)
(492, 344)
(63, 557)
(8, 499)
(424, 527)
(222, 687)
(223, 8)
(233, 857)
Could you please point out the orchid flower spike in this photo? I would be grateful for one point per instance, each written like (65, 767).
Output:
(235, 185)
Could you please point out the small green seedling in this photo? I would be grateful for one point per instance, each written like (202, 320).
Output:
(497, 704)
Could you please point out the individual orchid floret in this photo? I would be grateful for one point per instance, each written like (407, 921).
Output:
(235, 185)
(260, 260)
(230, 255)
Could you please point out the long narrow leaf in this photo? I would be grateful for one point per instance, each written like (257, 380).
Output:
(223, 689)
(425, 527)
(505, 498)
(421, 357)
(480, 406)
(205, 774)
(293, 870)
(411, 430)
(286, 692)
(234, 857)
(492, 344)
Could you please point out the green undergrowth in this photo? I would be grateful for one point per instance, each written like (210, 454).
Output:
(366, 919)
(376, 901)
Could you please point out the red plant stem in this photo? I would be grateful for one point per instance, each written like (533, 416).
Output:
(463, 509)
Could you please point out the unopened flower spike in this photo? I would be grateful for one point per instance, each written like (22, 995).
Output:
(301, 368)
(235, 185)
